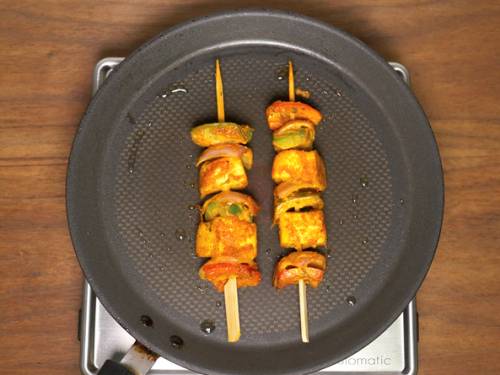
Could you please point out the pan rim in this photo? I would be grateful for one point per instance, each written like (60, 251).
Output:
(72, 217)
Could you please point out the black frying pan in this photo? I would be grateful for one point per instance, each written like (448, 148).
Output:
(132, 184)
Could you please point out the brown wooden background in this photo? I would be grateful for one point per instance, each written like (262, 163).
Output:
(47, 53)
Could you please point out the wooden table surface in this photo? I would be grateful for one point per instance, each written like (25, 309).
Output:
(47, 52)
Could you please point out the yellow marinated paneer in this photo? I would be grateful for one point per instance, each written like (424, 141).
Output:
(227, 236)
(222, 174)
(300, 167)
(302, 230)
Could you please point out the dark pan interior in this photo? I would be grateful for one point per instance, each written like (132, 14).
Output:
(132, 191)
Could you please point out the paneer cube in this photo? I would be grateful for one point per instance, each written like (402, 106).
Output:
(300, 167)
(302, 230)
(227, 236)
(222, 174)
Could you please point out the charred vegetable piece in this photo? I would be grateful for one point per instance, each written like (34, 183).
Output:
(221, 132)
(302, 230)
(230, 203)
(296, 203)
(294, 134)
(306, 265)
(227, 236)
(219, 270)
(300, 167)
(279, 113)
(221, 175)
(227, 150)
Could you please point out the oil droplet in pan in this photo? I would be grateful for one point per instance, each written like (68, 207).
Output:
(180, 234)
(282, 72)
(178, 90)
(351, 300)
(174, 90)
(201, 288)
(207, 326)
(363, 181)
(176, 342)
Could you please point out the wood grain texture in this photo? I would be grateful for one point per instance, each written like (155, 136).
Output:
(47, 53)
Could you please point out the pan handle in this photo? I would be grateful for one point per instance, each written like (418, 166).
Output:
(114, 368)
(137, 361)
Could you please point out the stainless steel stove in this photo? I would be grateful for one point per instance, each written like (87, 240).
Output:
(102, 338)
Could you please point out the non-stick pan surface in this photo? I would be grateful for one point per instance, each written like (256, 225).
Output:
(132, 188)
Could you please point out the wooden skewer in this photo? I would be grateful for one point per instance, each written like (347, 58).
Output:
(232, 310)
(304, 323)
(231, 286)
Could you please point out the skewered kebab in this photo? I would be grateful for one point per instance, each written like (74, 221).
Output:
(224, 162)
(300, 175)
(226, 234)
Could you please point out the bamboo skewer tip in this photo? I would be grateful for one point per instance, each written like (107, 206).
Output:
(219, 92)
(291, 82)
